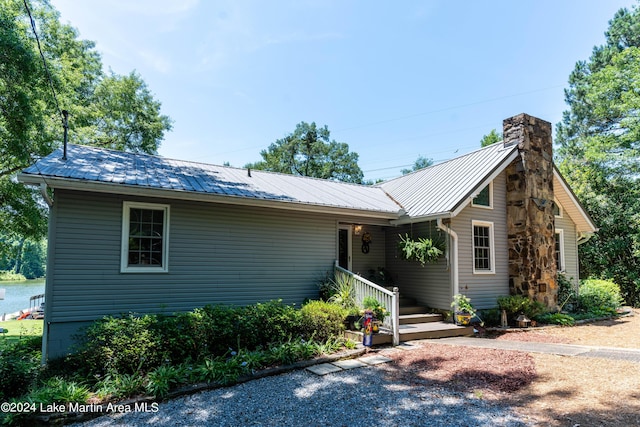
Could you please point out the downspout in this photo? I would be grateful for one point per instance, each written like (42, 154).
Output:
(452, 252)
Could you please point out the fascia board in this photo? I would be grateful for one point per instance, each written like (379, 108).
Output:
(574, 200)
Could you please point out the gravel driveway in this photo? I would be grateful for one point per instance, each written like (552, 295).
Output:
(358, 397)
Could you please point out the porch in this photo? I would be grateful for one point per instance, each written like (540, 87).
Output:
(407, 320)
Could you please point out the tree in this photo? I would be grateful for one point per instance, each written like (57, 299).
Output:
(493, 137)
(109, 110)
(309, 151)
(420, 163)
(599, 152)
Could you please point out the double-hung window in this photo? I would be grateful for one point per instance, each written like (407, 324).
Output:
(483, 247)
(145, 238)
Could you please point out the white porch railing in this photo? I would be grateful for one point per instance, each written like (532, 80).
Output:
(390, 300)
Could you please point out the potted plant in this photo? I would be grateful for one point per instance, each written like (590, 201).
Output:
(379, 311)
(463, 309)
(422, 250)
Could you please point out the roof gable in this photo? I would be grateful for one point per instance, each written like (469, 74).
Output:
(445, 188)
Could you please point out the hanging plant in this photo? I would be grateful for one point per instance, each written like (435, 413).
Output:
(422, 250)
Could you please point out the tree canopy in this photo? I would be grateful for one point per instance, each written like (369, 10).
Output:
(106, 109)
(491, 138)
(599, 152)
(420, 163)
(309, 151)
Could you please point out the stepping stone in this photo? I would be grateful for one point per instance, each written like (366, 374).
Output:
(374, 360)
(407, 346)
(349, 364)
(323, 369)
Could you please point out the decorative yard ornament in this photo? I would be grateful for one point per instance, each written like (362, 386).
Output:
(367, 336)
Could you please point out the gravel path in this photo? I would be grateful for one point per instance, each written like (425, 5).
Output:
(358, 397)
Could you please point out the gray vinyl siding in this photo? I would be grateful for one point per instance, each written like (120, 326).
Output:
(571, 269)
(483, 289)
(429, 285)
(217, 254)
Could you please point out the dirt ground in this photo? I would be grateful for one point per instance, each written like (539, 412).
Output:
(547, 390)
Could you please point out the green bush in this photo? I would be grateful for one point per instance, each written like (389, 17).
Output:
(262, 324)
(19, 366)
(599, 297)
(322, 320)
(123, 345)
(490, 317)
(515, 305)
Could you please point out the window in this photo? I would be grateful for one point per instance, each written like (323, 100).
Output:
(557, 210)
(145, 238)
(482, 247)
(559, 251)
(484, 199)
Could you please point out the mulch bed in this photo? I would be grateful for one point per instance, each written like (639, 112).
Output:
(463, 368)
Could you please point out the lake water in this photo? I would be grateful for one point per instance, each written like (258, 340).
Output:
(17, 294)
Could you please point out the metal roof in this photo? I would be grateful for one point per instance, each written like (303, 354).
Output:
(445, 188)
(116, 170)
(441, 190)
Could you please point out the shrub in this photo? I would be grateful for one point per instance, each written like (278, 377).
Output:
(262, 324)
(599, 297)
(491, 317)
(322, 320)
(19, 366)
(123, 345)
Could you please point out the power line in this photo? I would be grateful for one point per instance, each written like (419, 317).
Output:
(44, 61)
(410, 116)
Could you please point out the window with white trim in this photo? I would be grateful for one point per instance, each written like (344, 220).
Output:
(145, 238)
(557, 209)
(484, 199)
(483, 244)
(559, 250)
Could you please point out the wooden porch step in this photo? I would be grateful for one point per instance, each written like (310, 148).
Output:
(408, 319)
(422, 331)
(412, 309)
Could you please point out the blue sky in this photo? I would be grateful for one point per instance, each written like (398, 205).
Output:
(394, 80)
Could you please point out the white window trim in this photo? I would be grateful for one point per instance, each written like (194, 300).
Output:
(560, 232)
(560, 210)
(490, 185)
(492, 248)
(124, 250)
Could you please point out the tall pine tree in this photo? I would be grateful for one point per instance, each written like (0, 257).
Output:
(599, 152)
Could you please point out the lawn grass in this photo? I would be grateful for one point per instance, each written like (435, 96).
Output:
(21, 328)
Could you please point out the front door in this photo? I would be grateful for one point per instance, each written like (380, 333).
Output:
(344, 247)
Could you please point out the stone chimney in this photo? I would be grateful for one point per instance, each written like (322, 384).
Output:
(530, 218)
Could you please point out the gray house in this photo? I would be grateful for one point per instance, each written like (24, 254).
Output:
(133, 232)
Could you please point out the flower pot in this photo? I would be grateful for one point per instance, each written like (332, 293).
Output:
(463, 319)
